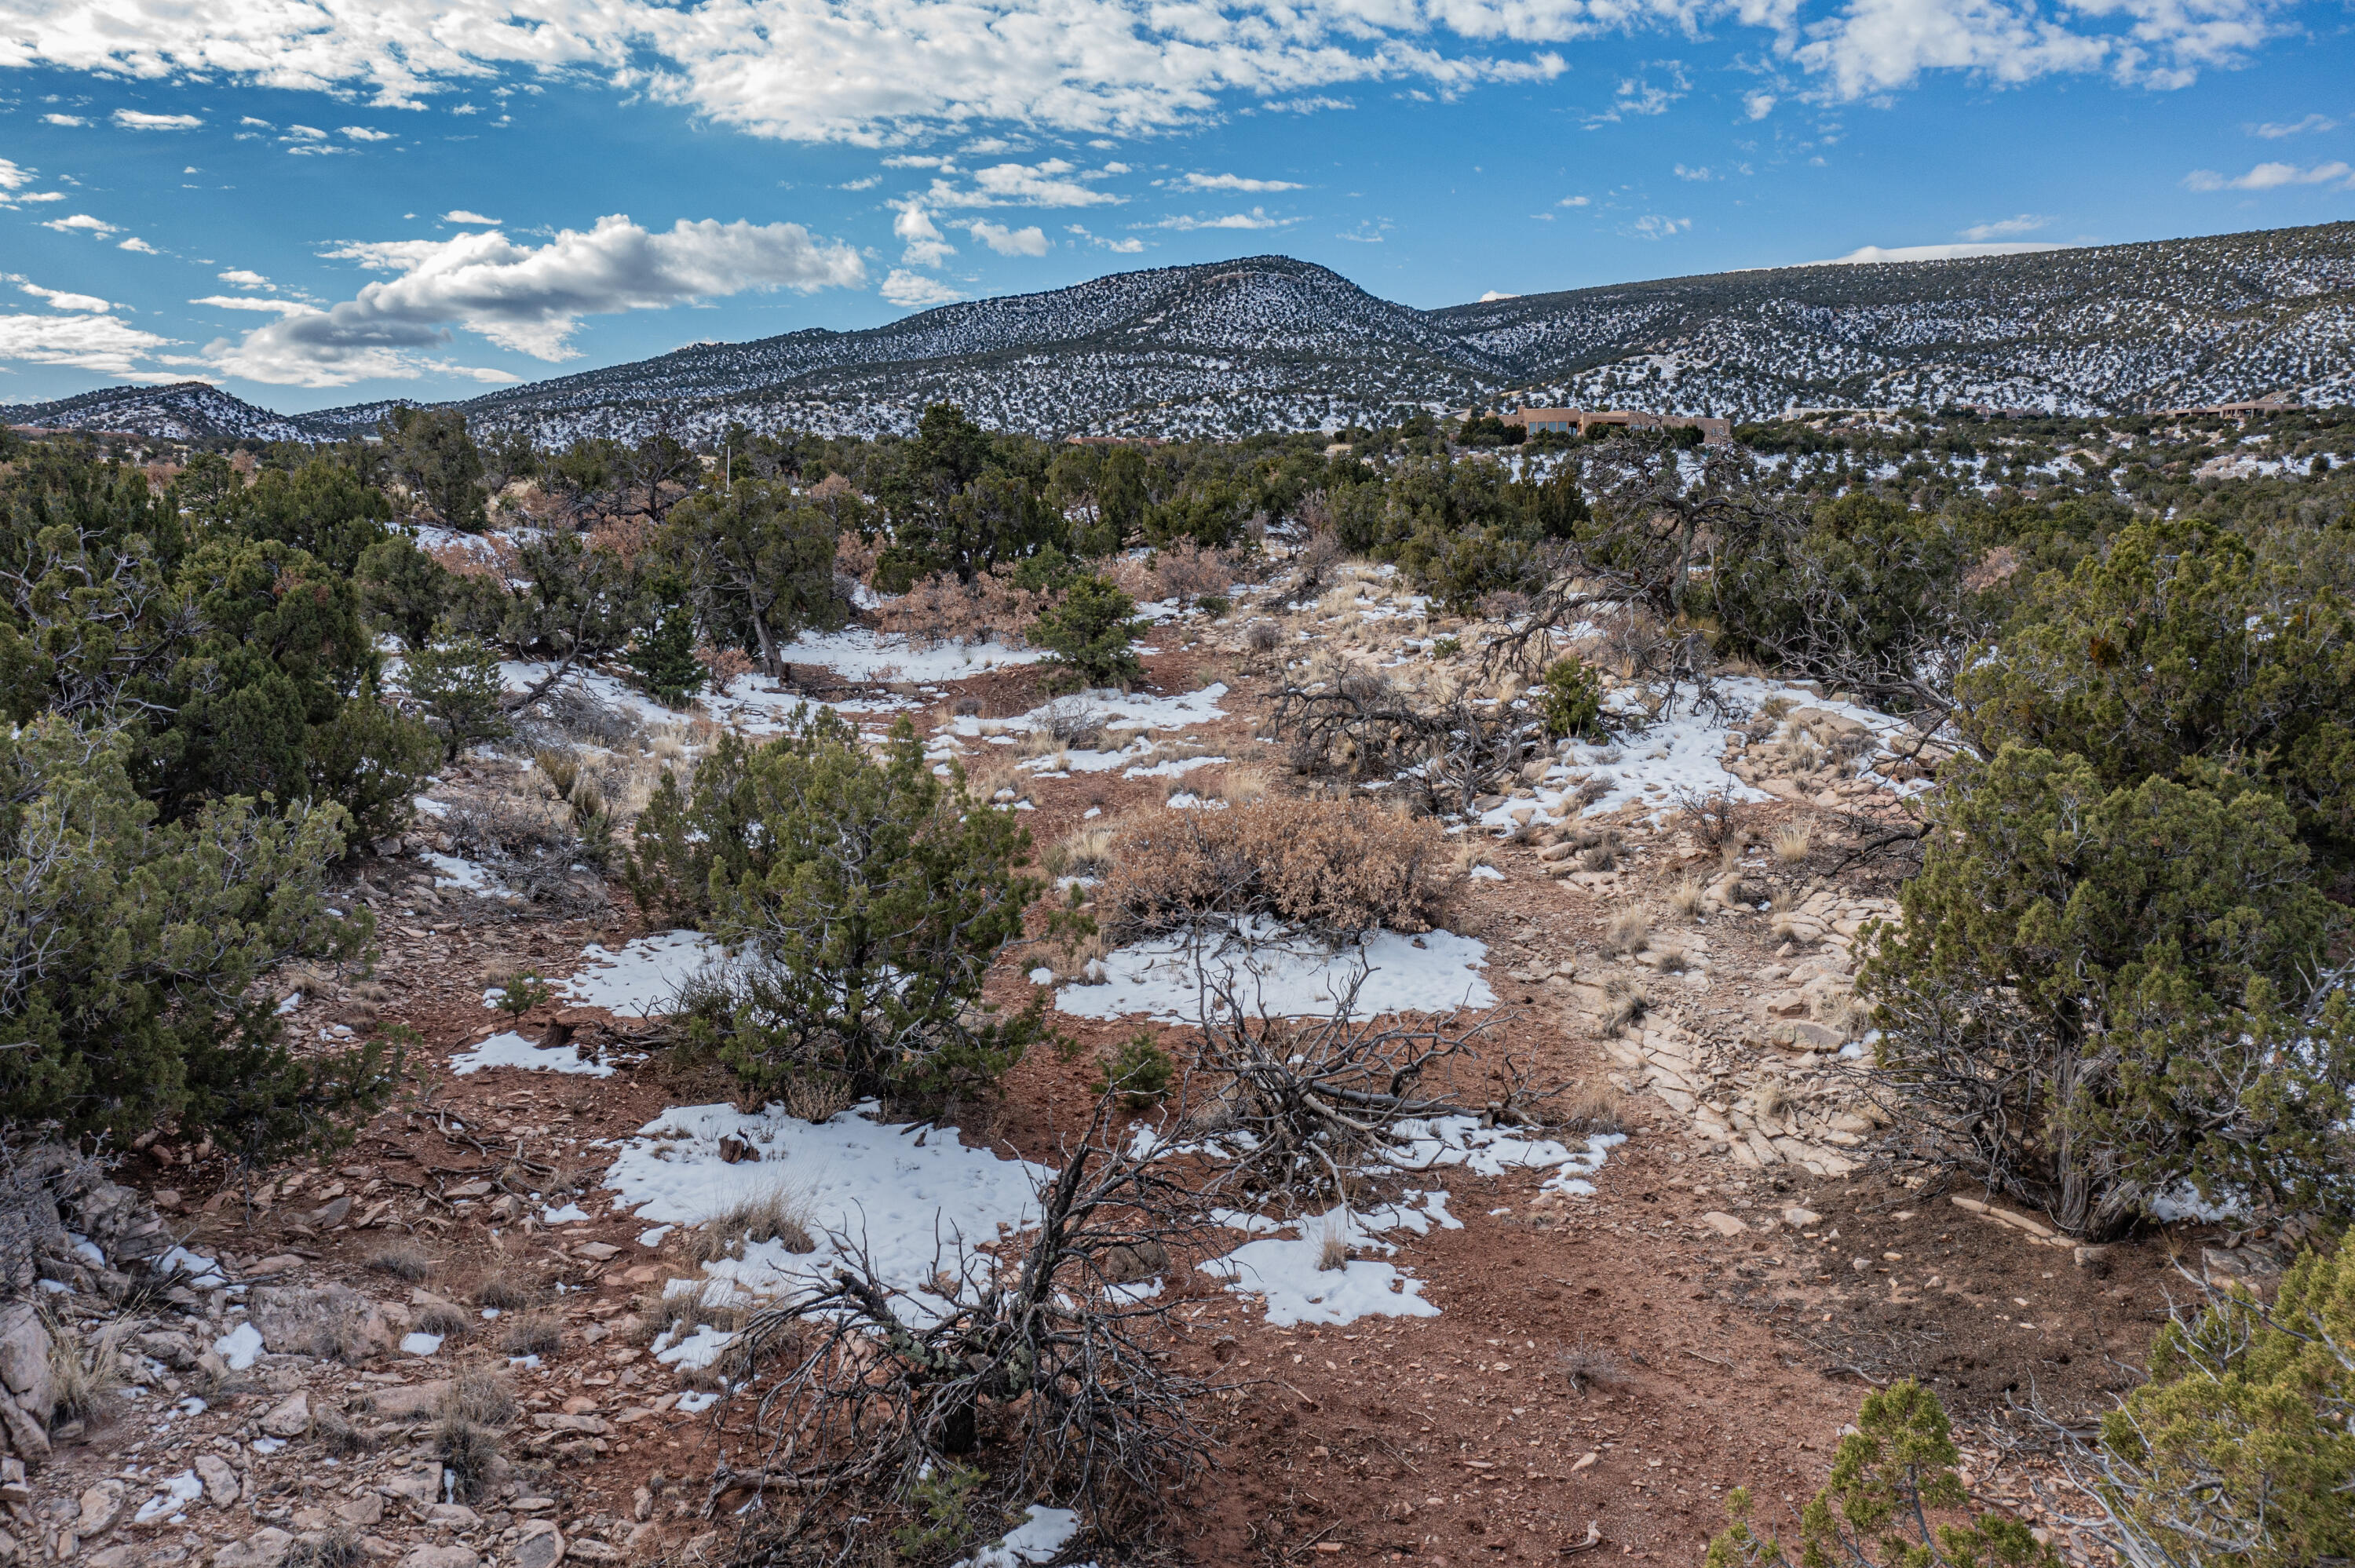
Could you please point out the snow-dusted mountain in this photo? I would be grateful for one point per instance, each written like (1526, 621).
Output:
(1270, 343)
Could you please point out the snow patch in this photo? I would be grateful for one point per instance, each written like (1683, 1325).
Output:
(638, 980)
(508, 1049)
(1284, 974)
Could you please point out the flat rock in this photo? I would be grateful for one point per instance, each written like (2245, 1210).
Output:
(24, 1348)
(265, 1548)
(411, 1400)
(1799, 1219)
(102, 1506)
(223, 1484)
(541, 1545)
(290, 1418)
(441, 1557)
(1724, 1223)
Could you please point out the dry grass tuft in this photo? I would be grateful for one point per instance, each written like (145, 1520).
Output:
(443, 1319)
(816, 1097)
(87, 1381)
(1770, 1100)
(506, 1292)
(534, 1334)
(1624, 1001)
(1585, 1365)
(1333, 1251)
(1342, 865)
(402, 1260)
(1792, 842)
(1596, 1111)
(1688, 896)
(778, 1213)
(1630, 932)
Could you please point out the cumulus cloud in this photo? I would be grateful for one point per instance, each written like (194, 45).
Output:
(1054, 183)
(1129, 246)
(460, 216)
(1866, 255)
(243, 278)
(58, 299)
(63, 120)
(136, 243)
(1030, 241)
(2270, 177)
(364, 133)
(1237, 183)
(1575, 201)
(916, 291)
(870, 71)
(254, 302)
(927, 246)
(2024, 223)
(135, 119)
(13, 177)
(524, 298)
(1759, 105)
(87, 341)
(1702, 172)
(1652, 225)
(82, 223)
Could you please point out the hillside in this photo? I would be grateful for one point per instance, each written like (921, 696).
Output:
(1267, 342)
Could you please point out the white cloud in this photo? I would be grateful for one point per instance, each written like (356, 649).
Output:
(1652, 226)
(1128, 247)
(1054, 183)
(1867, 255)
(1702, 173)
(1256, 217)
(2025, 223)
(254, 302)
(2270, 177)
(1759, 105)
(1030, 241)
(869, 184)
(927, 246)
(1638, 97)
(1575, 201)
(81, 222)
(63, 120)
(105, 344)
(35, 196)
(13, 177)
(243, 278)
(916, 291)
(59, 299)
(525, 299)
(306, 133)
(876, 70)
(1238, 183)
(136, 243)
(459, 214)
(1495, 294)
(134, 120)
(364, 133)
(2273, 131)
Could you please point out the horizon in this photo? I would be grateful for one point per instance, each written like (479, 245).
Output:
(457, 197)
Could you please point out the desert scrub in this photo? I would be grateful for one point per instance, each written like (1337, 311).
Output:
(1570, 701)
(866, 899)
(1341, 866)
(1141, 1071)
(1090, 633)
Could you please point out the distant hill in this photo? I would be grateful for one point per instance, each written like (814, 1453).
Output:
(1267, 342)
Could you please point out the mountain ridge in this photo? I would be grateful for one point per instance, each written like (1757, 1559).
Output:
(1270, 342)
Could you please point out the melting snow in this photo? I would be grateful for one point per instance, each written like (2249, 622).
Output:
(1043, 1533)
(639, 980)
(421, 1344)
(1285, 975)
(178, 1492)
(240, 1346)
(509, 1049)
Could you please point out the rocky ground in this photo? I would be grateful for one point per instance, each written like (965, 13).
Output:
(268, 1360)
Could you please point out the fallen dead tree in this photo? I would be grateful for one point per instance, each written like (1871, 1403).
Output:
(1443, 752)
(1028, 1377)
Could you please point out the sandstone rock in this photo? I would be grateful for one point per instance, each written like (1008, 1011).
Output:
(223, 1484)
(410, 1401)
(265, 1548)
(366, 1509)
(597, 1252)
(552, 1422)
(414, 1486)
(1799, 1219)
(584, 1550)
(452, 1516)
(292, 1320)
(102, 1506)
(27, 1436)
(541, 1545)
(441, 1557)
(24, 1348)
(290, 1418)
(1724, 1223)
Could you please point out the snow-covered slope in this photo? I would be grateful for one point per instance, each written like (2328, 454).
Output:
(1270, 343)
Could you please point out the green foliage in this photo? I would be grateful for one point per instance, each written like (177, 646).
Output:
(1089, 632)
(947, 1513)
(1899, 1466)
(2099, 994)
(2241, 1447)
(866, 899)
(689, 832)
(130, 953)
(403, 591)
(760, 563)
(2177, 644)
(1569, 700)
(322, 509)
(430, 453)
(663, 657)
(1141, 1071)
(521, 991)
(455, 680)
(1215, 605)
(370, 760)
(957, 500)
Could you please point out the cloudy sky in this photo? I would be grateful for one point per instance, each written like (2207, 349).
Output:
(317, 202)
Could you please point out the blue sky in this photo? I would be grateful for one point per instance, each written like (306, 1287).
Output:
(330, 201)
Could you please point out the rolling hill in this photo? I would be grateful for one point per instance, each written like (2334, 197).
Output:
(1266, 341)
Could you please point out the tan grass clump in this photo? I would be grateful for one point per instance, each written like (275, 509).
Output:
(778, 1213)
(1630, 931)
(1792, 842)
(1338, 865)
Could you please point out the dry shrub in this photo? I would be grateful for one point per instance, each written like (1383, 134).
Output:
(334, 1431)
(1187, 572)
(1342, 865)
(854, 554)
(1243, 786)
(1586, 1365)
(725, 665)
(941, 609)
(1786, 929)
(504, 1292)
(1333, 1251)
(1630, 931)
(1624, 1001)
(778, 1213)
(816, 1096)
(1469, 853)
(1792, 842)
(1084, 852)
(1770, 1100)
(87, 1380)
(1261, 637)
(1597, 1110)
(534, 1334)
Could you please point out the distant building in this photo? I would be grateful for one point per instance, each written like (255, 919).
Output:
(2265, 405)
(1577, 421)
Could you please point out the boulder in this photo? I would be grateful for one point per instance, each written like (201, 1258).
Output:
(541, 1545)
(223, 1484)
(29, 1438)
(331, 1319)
(1724, 1223)
(441, 1557)
(265, 1548)
(102, 1506)
(24, 1348)
(290, 1418)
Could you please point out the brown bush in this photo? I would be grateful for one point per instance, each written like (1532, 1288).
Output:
(1338, 865)
(941, 609)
